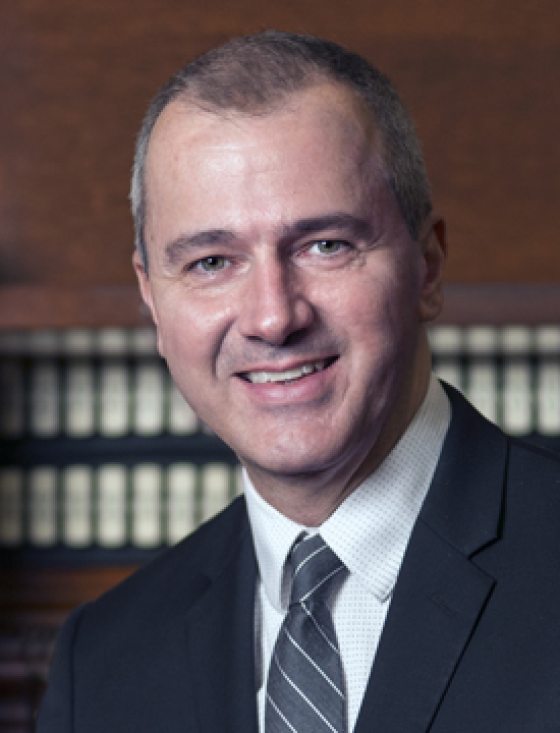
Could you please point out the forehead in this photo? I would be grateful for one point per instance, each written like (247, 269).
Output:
(325, 112)
(320, 143)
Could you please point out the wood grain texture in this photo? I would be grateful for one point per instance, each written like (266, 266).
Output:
(480, 79)
(46, 595)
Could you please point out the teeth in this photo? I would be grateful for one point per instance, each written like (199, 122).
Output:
(288, 376)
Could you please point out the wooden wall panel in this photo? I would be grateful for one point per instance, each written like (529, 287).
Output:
(479, 77)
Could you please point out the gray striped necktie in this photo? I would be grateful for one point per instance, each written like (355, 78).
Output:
(305, 692)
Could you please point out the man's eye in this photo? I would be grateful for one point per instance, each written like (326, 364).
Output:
(330, 246)
(211, 264)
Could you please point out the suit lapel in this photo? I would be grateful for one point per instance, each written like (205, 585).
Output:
(220, 641)
(441, 592)
(438, 599)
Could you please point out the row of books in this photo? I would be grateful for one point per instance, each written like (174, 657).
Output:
(110, 506)
(80, 398)
(111, 383)
(521, 396)
(102, 342)
(134, 342)
(511, 374)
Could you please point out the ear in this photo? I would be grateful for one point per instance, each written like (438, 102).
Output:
(145, 285)
(434, 252)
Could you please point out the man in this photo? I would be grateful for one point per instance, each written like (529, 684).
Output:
(288, 252)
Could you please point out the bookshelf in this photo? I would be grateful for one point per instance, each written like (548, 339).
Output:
(103, 463)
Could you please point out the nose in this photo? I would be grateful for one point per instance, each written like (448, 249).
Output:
(275, 305)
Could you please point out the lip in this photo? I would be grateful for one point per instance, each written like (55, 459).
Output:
(278, 367)
(309, 388)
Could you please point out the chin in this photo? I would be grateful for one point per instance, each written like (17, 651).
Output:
(296, 458)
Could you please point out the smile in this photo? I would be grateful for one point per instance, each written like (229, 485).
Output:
(289, 375)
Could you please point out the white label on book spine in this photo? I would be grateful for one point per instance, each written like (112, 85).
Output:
(516, 340)
(143, 341)
(78, 342)
(11, 507)
(111, 506)
(80, 399)
(182, 418)
(114, 398)
(481, 340)
(146, 513)
(446, 340)
(181, 494)
(548, 397)
(517, 402)
(12, 399)
(44, 399)
(482, 387)
(215, 489)
(112, 341)
(77, 488)
(547, 339)
(42, 506)
(149, 397)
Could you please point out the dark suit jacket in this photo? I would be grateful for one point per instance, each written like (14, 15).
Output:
(471, 643)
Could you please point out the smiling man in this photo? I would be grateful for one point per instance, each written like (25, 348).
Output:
(373, 577)
(287, 291)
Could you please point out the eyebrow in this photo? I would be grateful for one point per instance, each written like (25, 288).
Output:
(338, 220)
(175, 249)
(357, 226)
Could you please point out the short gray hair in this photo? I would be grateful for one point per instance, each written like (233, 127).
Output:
(253, 75)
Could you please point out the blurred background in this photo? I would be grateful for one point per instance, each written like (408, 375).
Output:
(101, 463)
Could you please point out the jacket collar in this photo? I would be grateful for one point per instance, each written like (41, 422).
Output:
(440, 592)
(220, 631)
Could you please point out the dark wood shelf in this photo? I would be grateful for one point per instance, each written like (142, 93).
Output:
(28, 307)
(492, 303)
(500, 303)
(33, 604)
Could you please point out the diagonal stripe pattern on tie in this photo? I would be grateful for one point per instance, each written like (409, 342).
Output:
(305, 692)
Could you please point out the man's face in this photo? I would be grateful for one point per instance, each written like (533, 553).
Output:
(285, 287)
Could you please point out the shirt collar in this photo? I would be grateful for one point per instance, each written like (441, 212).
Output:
(369, 531)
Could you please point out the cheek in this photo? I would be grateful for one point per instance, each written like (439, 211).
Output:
(191, 329)
(372, 302)
(379, 316)
(397, 294)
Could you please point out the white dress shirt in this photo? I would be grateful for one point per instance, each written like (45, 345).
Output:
(369, 532)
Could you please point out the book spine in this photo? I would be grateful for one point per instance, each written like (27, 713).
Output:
(146, 529)
(77, 506)
(44, 399)
(181, 501)
(111, 517)
(12, 507)
(80, 416)
(43, 503)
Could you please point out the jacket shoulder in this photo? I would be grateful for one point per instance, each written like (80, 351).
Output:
(533, 485)
(177, 576)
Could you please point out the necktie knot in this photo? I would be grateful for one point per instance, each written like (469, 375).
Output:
(314, 566)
